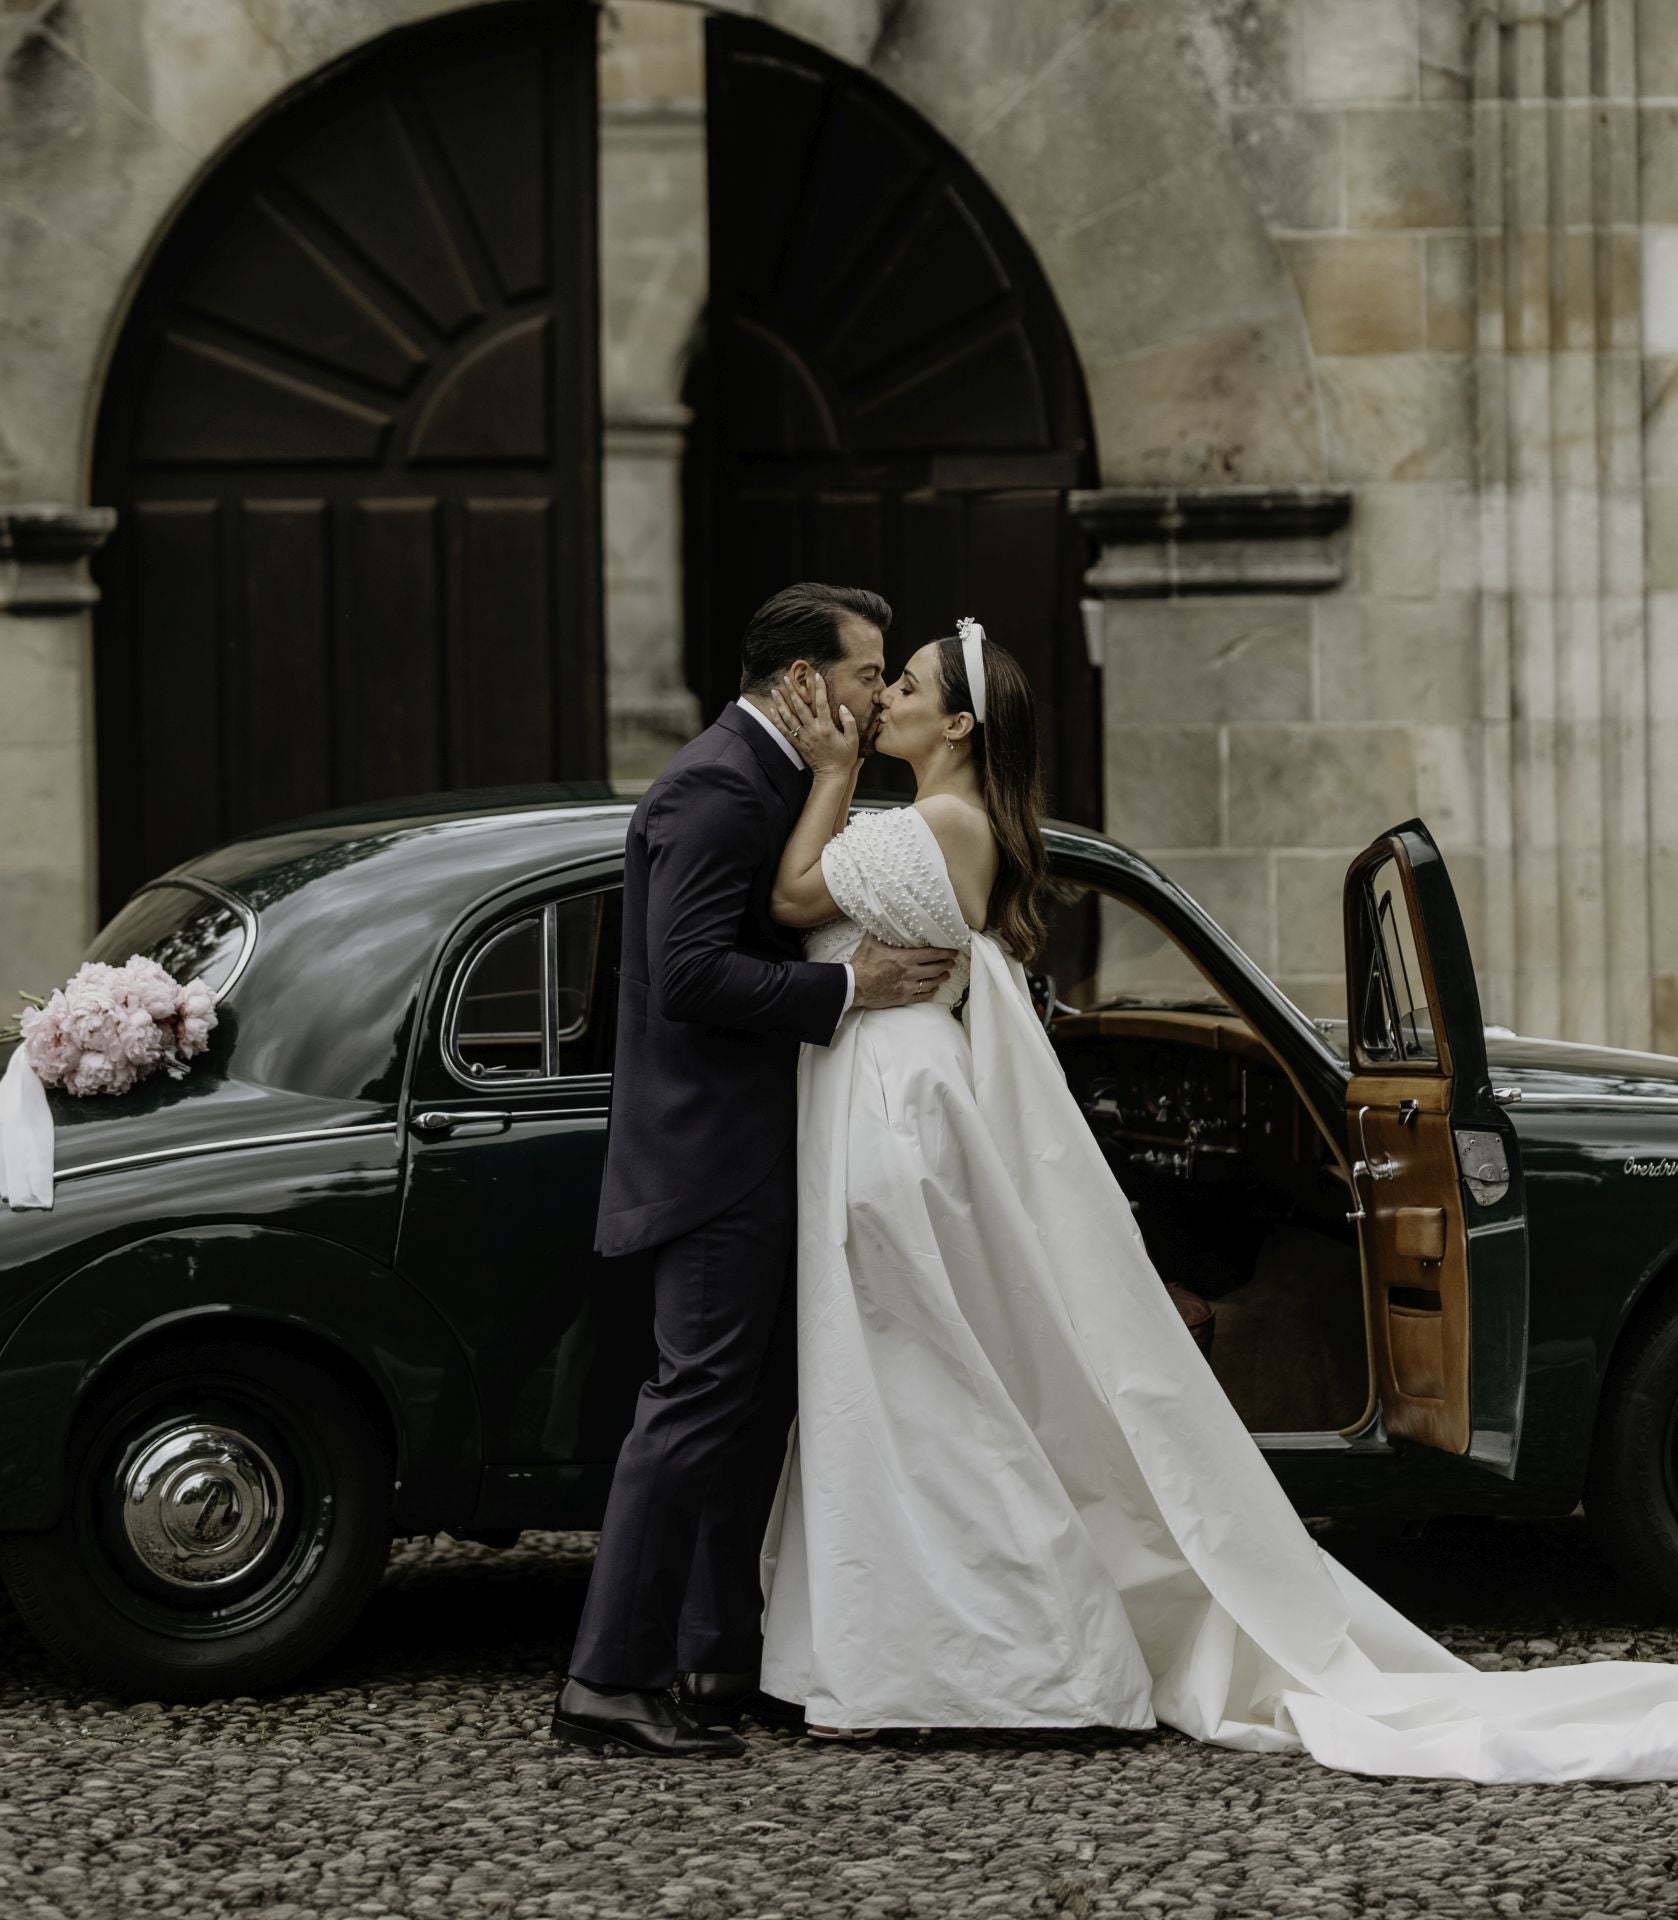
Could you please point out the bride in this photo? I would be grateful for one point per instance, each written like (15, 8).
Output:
(1015, 1494)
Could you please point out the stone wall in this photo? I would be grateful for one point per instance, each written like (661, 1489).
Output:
(1418, 253)
(653, 269)
(1656, 407)
(1455, 195)
(1257, 740)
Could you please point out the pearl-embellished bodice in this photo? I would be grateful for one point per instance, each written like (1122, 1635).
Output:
(886, 873)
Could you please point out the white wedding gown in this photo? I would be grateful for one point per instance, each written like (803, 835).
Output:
(1015, 1494)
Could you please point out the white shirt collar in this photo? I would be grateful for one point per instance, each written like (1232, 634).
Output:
(774, 733)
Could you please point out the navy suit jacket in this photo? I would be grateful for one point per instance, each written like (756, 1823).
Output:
(713, 996)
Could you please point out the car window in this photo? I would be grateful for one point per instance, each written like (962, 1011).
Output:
(1391, 1015)
(499, 1027)
(538, 997)
(1103, 952)
(189, 934)
(586, 941)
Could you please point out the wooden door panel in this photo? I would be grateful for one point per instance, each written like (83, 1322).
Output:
(888, 396)
(503, 674)
(1445, 1263)
(275, 283)
(180, 698)
(1419, 1306)
(287, 661)
(388, 694)
(365, 359)
(493, 177)
(365, 176)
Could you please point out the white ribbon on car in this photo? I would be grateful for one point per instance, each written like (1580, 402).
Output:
(25, 1135)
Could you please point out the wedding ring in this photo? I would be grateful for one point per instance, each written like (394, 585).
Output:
(796, 731)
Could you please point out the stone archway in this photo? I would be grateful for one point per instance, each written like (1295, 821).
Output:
(1209, 337)
(1096, 125)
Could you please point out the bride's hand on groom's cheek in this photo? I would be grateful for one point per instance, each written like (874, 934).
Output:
(828, 741)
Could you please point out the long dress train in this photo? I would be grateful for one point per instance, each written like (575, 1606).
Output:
(1015, 1494)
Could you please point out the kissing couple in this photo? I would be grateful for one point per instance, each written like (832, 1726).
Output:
(929, 1444)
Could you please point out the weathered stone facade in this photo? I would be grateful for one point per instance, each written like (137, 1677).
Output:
(1420, 256)
(653, 275)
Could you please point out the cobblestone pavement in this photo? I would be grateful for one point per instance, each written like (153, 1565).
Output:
(413, 1775)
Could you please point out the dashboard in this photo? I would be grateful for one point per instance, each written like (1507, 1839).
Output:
(1194, 1099)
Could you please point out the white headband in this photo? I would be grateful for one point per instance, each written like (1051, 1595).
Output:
(973, 658)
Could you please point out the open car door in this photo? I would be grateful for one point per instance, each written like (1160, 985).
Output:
(1437, 1174)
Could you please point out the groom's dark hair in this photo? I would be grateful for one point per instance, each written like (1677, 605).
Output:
(802, 623)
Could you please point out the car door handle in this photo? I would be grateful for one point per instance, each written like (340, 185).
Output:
(440, 1122)
(1383, 1169)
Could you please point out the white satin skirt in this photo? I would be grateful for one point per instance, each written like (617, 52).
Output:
(1016, 1496)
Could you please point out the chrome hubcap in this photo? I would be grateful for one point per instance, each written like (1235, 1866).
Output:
(201, 1505)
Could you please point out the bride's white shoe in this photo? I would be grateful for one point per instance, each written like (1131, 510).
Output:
(839, 1733)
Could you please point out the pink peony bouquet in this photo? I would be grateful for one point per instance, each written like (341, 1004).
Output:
(107, 1027)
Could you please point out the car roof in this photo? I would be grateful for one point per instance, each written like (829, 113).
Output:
(344, 848)
(276, 860)
(353, 906)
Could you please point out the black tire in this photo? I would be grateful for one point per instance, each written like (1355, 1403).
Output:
(304, 1510)
(1631, 1488)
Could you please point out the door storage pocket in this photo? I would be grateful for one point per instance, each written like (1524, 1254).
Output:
(1417, 1338)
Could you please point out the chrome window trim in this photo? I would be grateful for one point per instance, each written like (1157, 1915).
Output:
(190, 883)
(547, 991)
(519, 1115)
(1644, 1102)
(552, 1033)
(195, 1148)
(491, 937)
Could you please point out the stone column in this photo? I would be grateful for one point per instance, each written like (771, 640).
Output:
(47, 831)
(1564, 651)
(654, 262)
(1657, 123)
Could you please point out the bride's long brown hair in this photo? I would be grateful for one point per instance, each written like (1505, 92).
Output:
(1004, 748)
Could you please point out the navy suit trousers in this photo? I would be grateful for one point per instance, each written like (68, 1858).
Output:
(675, 1586)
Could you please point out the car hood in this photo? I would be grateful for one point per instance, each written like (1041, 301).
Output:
(1580, 1070)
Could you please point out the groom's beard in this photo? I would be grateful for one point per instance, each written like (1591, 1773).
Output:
(865, 740)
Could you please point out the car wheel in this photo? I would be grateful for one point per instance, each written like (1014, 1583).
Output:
(226, 1517)
(1631, 1490)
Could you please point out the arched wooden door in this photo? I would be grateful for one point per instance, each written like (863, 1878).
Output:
(352, 431)
(886, 393)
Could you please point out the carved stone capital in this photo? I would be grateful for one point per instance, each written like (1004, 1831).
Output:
(44, 552)
(1160, 542)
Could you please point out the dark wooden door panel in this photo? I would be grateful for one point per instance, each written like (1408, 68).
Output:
(180, 697)
(287, 662)
(504, 672)
(352, 429)
(886, 393)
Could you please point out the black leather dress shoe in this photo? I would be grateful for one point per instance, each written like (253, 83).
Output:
(715, 1699)
(636, 1720)
(719, 1699)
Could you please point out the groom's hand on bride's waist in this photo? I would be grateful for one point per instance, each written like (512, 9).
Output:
(898, 976)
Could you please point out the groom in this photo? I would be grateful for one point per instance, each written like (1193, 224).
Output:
(713, 1001)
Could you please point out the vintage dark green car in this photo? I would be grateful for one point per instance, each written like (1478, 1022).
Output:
(337, 1282)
